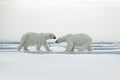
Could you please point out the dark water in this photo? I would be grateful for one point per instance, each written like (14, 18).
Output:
(98, 48)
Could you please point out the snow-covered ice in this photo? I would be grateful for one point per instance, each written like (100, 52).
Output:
(101, 64)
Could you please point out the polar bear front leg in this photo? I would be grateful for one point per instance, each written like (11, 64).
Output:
(20, 46)
(89, 48)
(46, 46)
(38, 46)
(25, 48)
(70, 47)
(26, 44)
(73, 48)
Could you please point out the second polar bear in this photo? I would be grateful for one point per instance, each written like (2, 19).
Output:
(81, 40)
(32, 38)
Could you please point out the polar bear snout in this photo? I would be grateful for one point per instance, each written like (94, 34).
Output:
(59, 40)
(56, 41)
(54, 37)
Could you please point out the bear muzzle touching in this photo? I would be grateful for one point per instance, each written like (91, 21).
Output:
(59, 40)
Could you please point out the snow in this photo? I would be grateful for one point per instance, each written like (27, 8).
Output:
(101, 64)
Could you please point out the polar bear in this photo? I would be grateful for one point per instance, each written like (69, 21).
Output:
(80, 40)
(32, 38)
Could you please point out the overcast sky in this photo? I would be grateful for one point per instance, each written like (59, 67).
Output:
(98, 18)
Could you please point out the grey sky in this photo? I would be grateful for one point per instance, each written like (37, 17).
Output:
(98, 18)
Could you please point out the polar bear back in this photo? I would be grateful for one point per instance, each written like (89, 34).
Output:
(79, 38)
(32, 38)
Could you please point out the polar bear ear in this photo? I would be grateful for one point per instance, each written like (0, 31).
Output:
(52, 36)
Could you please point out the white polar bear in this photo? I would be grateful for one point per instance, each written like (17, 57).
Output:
(32, 38)
(81, 40)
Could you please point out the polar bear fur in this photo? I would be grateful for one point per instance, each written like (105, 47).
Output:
(32, 38)
(80, 40)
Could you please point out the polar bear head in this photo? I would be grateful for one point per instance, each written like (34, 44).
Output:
(51, 36)
(59, 40)
(62, 39)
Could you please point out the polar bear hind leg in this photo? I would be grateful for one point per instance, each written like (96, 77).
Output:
(38, 46)
(73, 48)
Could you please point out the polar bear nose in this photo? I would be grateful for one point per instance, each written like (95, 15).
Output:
(54, 37)
(56, 41)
